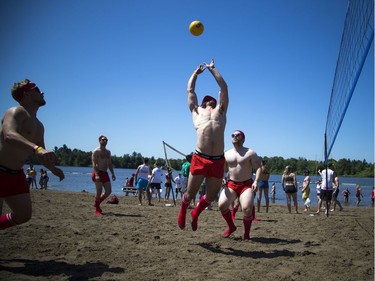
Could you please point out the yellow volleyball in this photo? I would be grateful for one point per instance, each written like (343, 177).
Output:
(196, 28)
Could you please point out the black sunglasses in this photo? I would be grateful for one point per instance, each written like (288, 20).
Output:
(235, 135)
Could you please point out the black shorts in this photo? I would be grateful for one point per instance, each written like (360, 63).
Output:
(326, 195)
(168, 184)
(155, 185)
(290, 189)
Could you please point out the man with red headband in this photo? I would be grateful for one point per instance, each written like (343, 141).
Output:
(209, 120)
(101, 161)
(240, 162)
(21, 135)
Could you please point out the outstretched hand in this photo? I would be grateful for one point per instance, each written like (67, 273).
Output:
(211, 65)
(200, 69)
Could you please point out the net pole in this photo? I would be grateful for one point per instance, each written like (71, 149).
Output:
(167, 161)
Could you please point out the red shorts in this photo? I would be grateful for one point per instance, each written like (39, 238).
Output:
(201, 165)
(13, 183)
(240, 187)
(103, 176)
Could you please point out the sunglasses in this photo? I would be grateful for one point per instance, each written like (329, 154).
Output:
(235, 135)
(104, 140)
(34, 89)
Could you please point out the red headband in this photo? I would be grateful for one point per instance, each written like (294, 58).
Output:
(207, 99)
(242, 134)
(19, 94)
(102, 137)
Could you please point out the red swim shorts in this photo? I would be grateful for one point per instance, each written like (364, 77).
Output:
(103, 176)
(201, 165)
(12, 183)
(240, 187)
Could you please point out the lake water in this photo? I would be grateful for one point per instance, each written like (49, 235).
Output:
(79, 178)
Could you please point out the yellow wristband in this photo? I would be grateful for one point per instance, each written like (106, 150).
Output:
(195, 73)
(38, 149)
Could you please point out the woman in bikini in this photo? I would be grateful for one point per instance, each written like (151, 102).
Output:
(289, 184)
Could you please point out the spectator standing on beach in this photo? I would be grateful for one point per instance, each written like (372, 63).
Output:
(185, 170)
(180, 181)
(141, 178)
(43, 181)
(209, 120)
(335, 194)
(168, 184)
(263, 186)
(318, 190)
(305, 188)
(358, 194)
(31, 177)
(22, 135)
(155, 180)
(346, 194)
(372, 196)
(328, 177)
(101, 162)
(240, 162)
(289, 185)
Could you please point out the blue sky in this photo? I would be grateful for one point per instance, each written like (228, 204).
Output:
(120, 68)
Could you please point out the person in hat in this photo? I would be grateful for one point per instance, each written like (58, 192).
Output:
(101, 161)
(209, 120)
(22, 135)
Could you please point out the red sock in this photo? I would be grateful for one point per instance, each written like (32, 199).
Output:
(234, 211)
(101, 199)
(203, 203)
(181, 220)
(6, 221)
(247, 226)
(98, 210)
(228, 218)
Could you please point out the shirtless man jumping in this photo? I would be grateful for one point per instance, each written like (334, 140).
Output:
(101, 161)
(209, 120)
(21, 135)
(240, 162)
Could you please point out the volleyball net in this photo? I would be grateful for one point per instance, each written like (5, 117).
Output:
(356, 41)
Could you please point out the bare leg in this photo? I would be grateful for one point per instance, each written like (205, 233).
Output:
(294, 195)
(288, 202)
(267, 199)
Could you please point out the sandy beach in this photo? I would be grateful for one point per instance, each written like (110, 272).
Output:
(64, 240)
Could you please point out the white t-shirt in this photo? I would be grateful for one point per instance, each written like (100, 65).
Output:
(143, 172)
(179, 181)
(157, 173)
(330, 179)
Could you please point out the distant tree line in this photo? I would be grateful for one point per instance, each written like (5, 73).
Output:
(343, 167)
